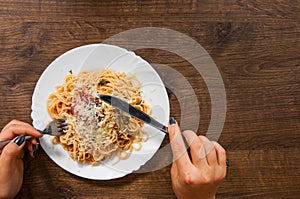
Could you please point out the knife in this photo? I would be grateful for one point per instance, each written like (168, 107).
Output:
(131, 110)
(140, 115)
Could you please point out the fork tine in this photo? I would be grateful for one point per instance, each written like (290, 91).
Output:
(56, 127)
(64, 127)
(61, 120)
(64, 124)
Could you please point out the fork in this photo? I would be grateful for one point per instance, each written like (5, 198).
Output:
(54, 128)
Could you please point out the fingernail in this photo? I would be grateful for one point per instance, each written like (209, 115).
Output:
(172, 121)
(227, 163)
(34, 150)
(19, 140)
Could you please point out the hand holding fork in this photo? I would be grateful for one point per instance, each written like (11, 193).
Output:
(11, 163)
(55, 128)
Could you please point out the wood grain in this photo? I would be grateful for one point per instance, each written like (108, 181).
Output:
(255, 45)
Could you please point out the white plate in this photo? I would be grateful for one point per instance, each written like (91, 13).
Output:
(97, 56)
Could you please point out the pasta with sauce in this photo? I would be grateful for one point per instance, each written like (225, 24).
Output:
(97, 131)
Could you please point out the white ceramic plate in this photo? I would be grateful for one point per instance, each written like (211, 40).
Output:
(91, 57)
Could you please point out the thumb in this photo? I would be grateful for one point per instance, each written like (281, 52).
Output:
(180, 155)
(13, 150)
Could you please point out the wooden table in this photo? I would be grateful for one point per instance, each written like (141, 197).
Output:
(255, 45)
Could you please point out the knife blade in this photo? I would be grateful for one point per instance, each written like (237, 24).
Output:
(122, 105)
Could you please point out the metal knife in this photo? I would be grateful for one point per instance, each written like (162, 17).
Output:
(136, 113)
(131, 110)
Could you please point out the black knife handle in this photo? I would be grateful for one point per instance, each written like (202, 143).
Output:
(137, 113)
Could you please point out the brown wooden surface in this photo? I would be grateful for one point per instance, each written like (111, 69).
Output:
(255, 45)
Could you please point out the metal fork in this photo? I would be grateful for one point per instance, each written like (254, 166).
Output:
(54, 128)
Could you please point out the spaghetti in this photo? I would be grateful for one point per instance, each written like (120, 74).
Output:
(97, 130)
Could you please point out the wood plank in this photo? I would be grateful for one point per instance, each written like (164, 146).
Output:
(232, 10)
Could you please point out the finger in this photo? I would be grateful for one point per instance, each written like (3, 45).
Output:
(210, 151)
(174, 172)
(33, 140)
(32, 146)
(13, 122)
(13, 151)
(197, 148)
(32, 149)
(9, 123)
(221, 154)
(180, 155)
(14, 129)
